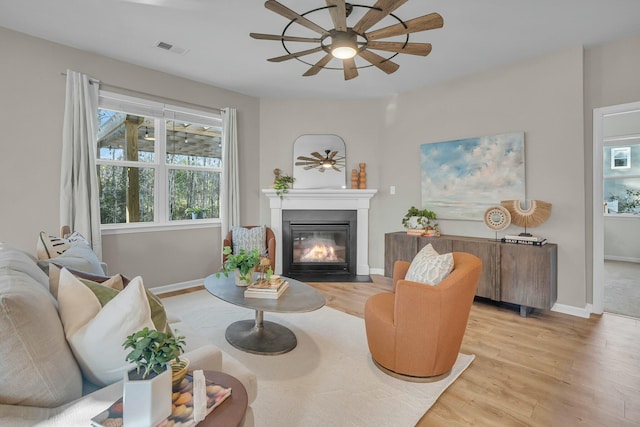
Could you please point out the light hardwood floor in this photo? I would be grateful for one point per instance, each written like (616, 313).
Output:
(548, 369)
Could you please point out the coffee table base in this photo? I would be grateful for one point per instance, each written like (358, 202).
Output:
(264, 337)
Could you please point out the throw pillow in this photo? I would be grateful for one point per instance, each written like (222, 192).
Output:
(79, 257)
(115, 282)
(249, 239)
(429, 267)
(95, 334)
(52, 246)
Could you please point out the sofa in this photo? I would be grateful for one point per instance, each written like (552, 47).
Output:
(41, 382)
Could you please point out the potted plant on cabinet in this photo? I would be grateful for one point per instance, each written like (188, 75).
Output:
(243, 263)
(147, 388)
(420, 222)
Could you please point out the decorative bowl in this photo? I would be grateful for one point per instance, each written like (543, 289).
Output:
(179, 370)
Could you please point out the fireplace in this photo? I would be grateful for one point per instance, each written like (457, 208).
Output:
(319, 243)
(321, 200)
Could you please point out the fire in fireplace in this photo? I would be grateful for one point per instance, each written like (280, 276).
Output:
(319, 243)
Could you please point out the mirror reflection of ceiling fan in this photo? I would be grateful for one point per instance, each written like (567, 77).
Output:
(350, 40)
(329, 161)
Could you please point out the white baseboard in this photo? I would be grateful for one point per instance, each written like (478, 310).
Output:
(379, 271)
(573, 311)
(621, 258)
(176, 286)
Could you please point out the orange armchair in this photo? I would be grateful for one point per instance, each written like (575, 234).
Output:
(416, 331)
(271, 245)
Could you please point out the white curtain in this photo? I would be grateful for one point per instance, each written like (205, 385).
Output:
(230, 203)
(79, 196)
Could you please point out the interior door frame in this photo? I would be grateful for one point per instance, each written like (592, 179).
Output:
(598, 211)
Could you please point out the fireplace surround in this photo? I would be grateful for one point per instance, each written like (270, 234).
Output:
(357, 200)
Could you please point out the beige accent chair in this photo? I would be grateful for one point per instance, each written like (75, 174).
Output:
(415, 332)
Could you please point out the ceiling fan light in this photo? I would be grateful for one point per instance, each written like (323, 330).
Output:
(343, 45)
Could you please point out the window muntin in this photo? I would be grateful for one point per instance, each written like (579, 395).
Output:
(155, 161)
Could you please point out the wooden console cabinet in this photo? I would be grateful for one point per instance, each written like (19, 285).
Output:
(517, 274)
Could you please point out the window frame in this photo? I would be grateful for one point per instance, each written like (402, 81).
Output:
(160, 113)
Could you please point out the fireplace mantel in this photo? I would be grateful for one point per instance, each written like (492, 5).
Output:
(324, 199)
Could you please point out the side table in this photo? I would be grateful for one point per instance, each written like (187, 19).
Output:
(231, 412)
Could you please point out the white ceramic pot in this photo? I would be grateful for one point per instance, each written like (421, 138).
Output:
(146, 402)
(242, 282)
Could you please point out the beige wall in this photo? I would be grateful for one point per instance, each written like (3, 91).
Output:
(542, 97)
(32, 104)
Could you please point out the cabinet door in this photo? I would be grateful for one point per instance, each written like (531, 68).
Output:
(398, 247)
(529, 275)
(488, 254)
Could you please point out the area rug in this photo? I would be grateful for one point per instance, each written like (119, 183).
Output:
(329, 379)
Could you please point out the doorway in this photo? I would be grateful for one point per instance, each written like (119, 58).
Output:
(616, 209)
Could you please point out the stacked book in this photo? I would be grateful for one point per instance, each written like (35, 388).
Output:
(416, 231)
(525, 240)
(272, 288)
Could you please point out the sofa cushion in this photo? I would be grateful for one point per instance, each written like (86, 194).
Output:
(37, 367)
(115, 282)
(13, 259)
(96, 333)
(249, 239)
(429, 267)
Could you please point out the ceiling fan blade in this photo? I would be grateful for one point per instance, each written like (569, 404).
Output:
(283, 10)
(315, 69)
(332, 155)
(321, 169)
(295, 55)
(318, 155)
(350, 70)
(307, 159)
(380, 62)
(310, 167)
(338, 14)
(422, 49)
(284, 38)
(335, 169)
(423, 23)
(306, 163)
(380, 10)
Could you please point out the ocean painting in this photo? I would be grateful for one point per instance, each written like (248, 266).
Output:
(461, 179)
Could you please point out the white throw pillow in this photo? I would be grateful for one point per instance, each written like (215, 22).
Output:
(429, 267)
(96, 334)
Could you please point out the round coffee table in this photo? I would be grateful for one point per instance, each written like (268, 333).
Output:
(259, 336)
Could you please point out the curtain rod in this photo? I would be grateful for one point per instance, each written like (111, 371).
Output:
(148, 95)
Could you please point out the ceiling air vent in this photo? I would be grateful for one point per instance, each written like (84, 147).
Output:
(171, 48)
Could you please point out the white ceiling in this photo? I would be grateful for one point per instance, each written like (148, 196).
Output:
(477, 35)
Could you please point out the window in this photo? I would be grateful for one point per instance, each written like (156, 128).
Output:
(621, 176)
(157, 164)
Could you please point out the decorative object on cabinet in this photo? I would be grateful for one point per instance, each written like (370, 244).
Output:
(319, 161)
(537, 213)
(525, 275)
(466, 165)
(497, 218)
(419, 222)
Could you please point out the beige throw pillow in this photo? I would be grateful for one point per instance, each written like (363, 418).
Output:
(96, 333)
(429, 267)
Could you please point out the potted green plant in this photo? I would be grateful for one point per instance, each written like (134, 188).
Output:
(147, 388)
(243, 263)
(196, 212)
(420, 219)
(282, 184)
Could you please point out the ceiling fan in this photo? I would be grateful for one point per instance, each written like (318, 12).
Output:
(329, 161)
(345, 42)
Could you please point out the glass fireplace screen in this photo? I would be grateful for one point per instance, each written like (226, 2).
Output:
(326, 246)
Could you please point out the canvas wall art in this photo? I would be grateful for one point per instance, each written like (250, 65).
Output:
(461, 179)
(319, 162)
